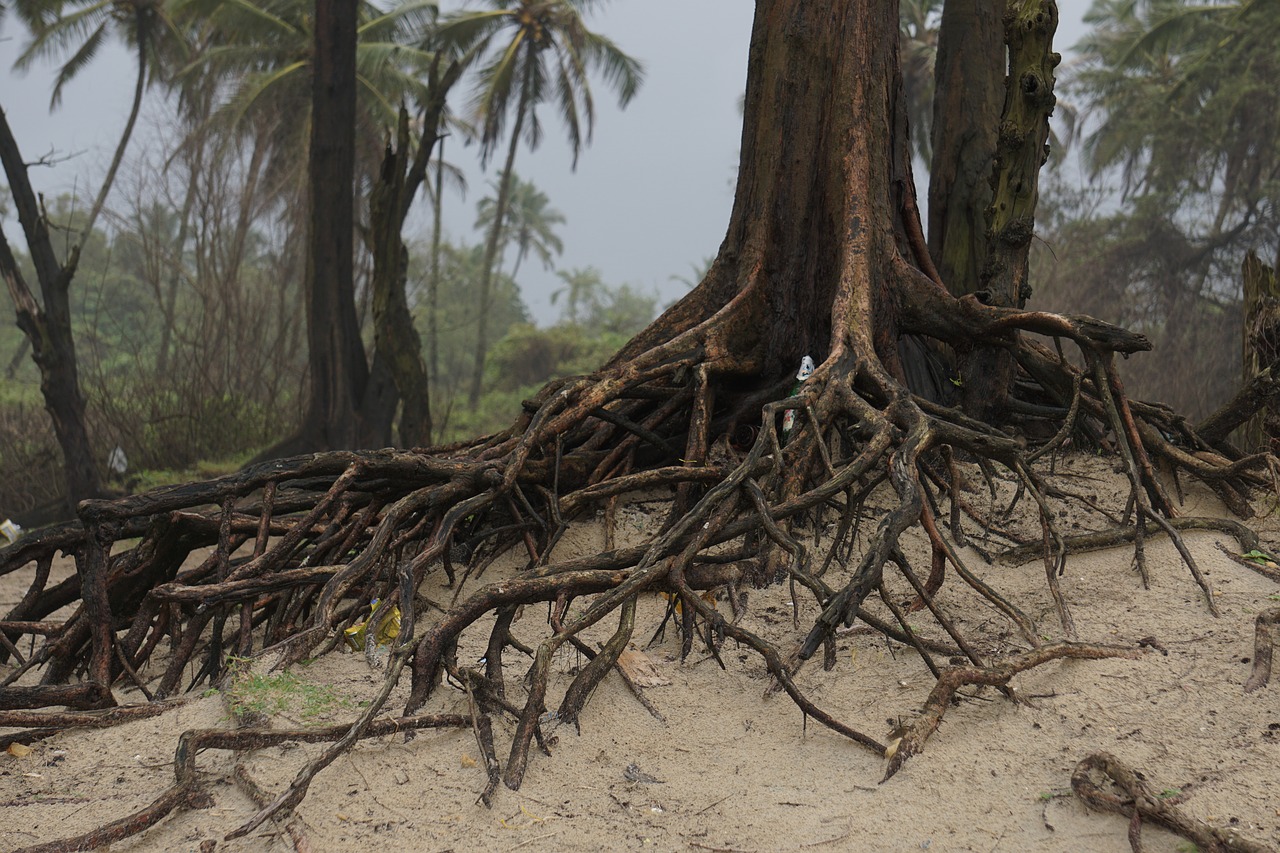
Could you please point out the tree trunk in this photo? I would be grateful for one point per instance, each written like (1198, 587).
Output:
(980, 245)
(339, 372)
(808, 264)
(433, 289)
(1261, 347)
(969, 87)
(140, 84)
(396, 341)
(825, 256)
(48, 325)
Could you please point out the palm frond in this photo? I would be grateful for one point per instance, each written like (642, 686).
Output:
(257, 87)
(77, 62)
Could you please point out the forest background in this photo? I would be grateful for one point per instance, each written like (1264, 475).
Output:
(192, 340)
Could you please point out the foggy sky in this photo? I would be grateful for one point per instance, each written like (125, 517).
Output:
(651, 196)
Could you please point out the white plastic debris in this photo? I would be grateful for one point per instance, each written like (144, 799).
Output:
(10, 530)
(117, 462)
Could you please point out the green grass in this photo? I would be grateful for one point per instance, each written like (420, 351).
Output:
(205, 469)
(283, 693)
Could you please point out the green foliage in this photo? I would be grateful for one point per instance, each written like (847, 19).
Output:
(1185, 98)
(73, 31)
(593, 326)
(458, 318)
(232, 373)
(250, 77)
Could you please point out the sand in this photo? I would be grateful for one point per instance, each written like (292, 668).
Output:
(733, 768)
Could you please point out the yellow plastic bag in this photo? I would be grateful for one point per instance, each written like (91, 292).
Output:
(387, 631)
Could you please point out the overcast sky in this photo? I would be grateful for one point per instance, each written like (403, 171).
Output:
(650, 198)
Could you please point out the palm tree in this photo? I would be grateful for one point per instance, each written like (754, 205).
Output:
(1181, 91)
(260, 52)
(582, 289)
(437, 235)
(530, 223)
(77, 30)
(534, 51)
(265, 55)
(1184, 119)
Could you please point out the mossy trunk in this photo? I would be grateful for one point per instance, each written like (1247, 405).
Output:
(396, 341)
(1021, 149)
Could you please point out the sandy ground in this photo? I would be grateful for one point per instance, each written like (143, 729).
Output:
(735, 769)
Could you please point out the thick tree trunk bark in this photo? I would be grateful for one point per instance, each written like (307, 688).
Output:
(397, 346)
(808, 264)
(395, 339)
(969, 76)
(1021, 149)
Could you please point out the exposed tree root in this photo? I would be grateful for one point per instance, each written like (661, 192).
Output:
(294, 828)
(299, 547)
(1136, 800)
(766, 482)
(187, 792)
(42, 724)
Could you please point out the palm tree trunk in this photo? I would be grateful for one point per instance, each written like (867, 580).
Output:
(433, 289)
(491, 253)
(339, 372)
(169, 306)
(139, 85)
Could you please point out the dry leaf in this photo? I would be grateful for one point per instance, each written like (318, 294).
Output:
(641, 669)
(468, 761)
(19, 750)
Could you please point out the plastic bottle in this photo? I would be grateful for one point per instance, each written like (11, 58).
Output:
(789, 416)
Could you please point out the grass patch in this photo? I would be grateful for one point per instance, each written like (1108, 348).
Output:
(283, 693)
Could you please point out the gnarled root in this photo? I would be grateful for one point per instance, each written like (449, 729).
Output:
(298, 549)
(1130, 797)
